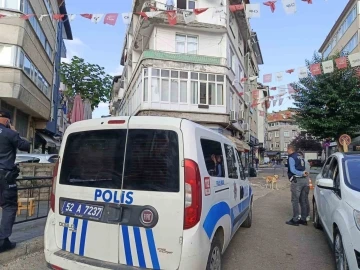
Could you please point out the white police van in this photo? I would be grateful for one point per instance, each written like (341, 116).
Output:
(143, 192)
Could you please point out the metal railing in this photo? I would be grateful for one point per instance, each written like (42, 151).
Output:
(33, 198)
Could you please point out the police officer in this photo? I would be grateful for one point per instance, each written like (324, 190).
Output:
(9, 141)
(298, 178)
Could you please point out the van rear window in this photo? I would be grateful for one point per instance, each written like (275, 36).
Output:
(97, 159)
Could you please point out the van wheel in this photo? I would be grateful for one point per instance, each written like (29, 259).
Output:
(316, 217)
(214, 260)
(247, 223)
(339, 252)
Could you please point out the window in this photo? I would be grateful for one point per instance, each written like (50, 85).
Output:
(286, 145)
(277, 134)
(294, 133)
(22, 121)
(241, 168)
(213, 157)
(183, 91)
(212, 94)
(186, 4)
(325, 170)
(194, 92)
(270, 135)
(10, 4)
(231, 162)
(146, 85)
(347, 23)
(232, 60)
(186, 44)
(352, 173)
(286, 134)
(351, 45)
(231, 101)
(327, 51)
(277, 145)
(7, 55)
(151, 162)
(155, 85)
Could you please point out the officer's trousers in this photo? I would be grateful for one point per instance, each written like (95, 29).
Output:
(298, 190)
(8, 203)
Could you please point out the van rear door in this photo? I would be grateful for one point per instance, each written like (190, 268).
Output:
(152, 225)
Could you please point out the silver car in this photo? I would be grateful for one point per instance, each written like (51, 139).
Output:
(36, 158)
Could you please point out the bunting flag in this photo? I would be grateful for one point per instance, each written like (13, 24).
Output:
(262, 113)
(281, 101)
(41, 17)
(189, 16)
(243, 80)
(290, 71)
(315, 69)
(198, 11)
(270, 4)
(255, 94)
(126, 18)
(219, 12)
(341, 62)
(2, 16)
(172, 18)
(289, 6)
(96, 18)
(71, 17)
(274, 102)
(302, 72)
(267, 78)
(273, 88)
(153, 14)
(26, 16)
(308, 1)
(267, 103)
(354, 59)
(252, 10)
(328, 66)
(86, 15)
(291, 90)
(57, 17)
(111, 18)
(279, 76)
(234, 8)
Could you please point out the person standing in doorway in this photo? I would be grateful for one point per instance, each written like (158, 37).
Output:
(298, 178)
(10, 141)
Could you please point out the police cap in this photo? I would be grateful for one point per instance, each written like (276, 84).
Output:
(5, 114)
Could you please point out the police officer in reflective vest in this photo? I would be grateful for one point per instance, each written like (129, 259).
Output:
(298, 178)
(10, 141)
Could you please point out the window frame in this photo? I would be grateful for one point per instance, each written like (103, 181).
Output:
(277, 134)
(186, 43)
(225, 145)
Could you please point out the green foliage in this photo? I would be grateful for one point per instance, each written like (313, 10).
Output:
(90, 81)
(328, 104)
(305, 142)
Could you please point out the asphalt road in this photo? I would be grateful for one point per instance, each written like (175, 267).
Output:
(268, 244)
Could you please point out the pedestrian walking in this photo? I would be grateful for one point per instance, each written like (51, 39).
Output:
(298, 178)
(10, 141)
(257, 163)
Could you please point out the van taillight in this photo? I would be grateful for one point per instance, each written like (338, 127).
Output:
(53, 189)
(193, 195)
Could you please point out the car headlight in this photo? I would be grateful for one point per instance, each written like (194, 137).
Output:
(357, 218)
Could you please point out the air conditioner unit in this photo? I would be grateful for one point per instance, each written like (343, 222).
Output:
(246, 127)
(233, 116)
(241, 115)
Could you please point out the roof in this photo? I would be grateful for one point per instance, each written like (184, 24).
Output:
(347, 8)
(286, 115)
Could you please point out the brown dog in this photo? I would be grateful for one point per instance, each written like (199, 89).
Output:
(271, 180)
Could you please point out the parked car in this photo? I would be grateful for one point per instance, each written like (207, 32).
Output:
(336, 205)
(36, 158)
(316, 163)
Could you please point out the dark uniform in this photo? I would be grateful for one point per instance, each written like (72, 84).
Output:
(10, 141)
(299, 183)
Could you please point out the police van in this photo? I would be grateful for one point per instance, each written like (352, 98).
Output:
(145, 193)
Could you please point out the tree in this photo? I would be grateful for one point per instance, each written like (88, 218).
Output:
(306, 142)
(328, 103)
(89, 80)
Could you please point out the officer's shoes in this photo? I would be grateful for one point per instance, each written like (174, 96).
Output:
(292, 222)
(302, 222)
(7, 245)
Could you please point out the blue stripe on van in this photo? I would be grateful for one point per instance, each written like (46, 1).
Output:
(83, 237)
(73, 236)
(65, 233)
(125, 232)
(152, 248)
(216, 212)
(139, 247)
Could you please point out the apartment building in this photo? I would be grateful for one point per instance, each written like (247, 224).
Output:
(29, 66)
(282, 129)
(262, 123)
(193, 70)
(344, 35)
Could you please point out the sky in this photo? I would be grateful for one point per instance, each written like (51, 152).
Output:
(286, 41)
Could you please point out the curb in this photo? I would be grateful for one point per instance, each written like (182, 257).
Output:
(22, 249)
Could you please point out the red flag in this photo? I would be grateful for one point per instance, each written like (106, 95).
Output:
(315, 69)
(290, 71)
(341, 62)
(308, 1)
(267, 103)
(26, 16)
(87, 16)
(234, 8)
(198, 11)
(270, 4)
(255, 94)
(143, 14)
(243, 80)
(273, 88)
(271, 97)
(291, 90)
(111, 18)
(2, 16)
(267, 78)
(240, 93)
(58, 17)
(254, 105)
(172, 18)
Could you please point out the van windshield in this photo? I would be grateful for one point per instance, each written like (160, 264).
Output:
(96, 159)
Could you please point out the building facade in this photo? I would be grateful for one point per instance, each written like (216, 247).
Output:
(192, 71)
(282, 130)
(29, 64)
(344, 35)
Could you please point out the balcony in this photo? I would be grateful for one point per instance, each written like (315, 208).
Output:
(185, 58)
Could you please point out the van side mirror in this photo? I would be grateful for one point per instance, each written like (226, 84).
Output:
(326, 183)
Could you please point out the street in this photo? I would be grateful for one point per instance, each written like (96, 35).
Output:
(268, 244)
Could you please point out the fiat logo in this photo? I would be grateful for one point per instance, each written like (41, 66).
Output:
(146, 217)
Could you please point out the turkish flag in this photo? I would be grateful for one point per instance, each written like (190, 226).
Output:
(172, 17)
(87, 16)
(198, 11)
(270, 4)
(26, 16)
(315, 69)
(267, 78)
(58, 17)
(111, 18)
(234, 8)
(341, 62)
(308, 1)
(255, 94)
(290, 71)
(243, 80)
(267, 103)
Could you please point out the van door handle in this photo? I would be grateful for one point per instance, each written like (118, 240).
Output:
(118, 215)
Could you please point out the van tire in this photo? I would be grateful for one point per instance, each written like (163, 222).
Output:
(215, 255)
(247, 223)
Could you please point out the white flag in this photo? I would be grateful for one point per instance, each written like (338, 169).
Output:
(42, 17)
(279, 76)
(126, 18)
(281, 101)
(289, 6)
(354, 59)
(282, 90)
(189, 16)
(328, 66)
(71, 17)
(219, 12)
(302, 72)
(253, 10)
(152, 14)
(96, 18)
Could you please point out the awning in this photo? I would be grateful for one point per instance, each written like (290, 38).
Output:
(239, 144)
(50, 142)
(272, 153)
